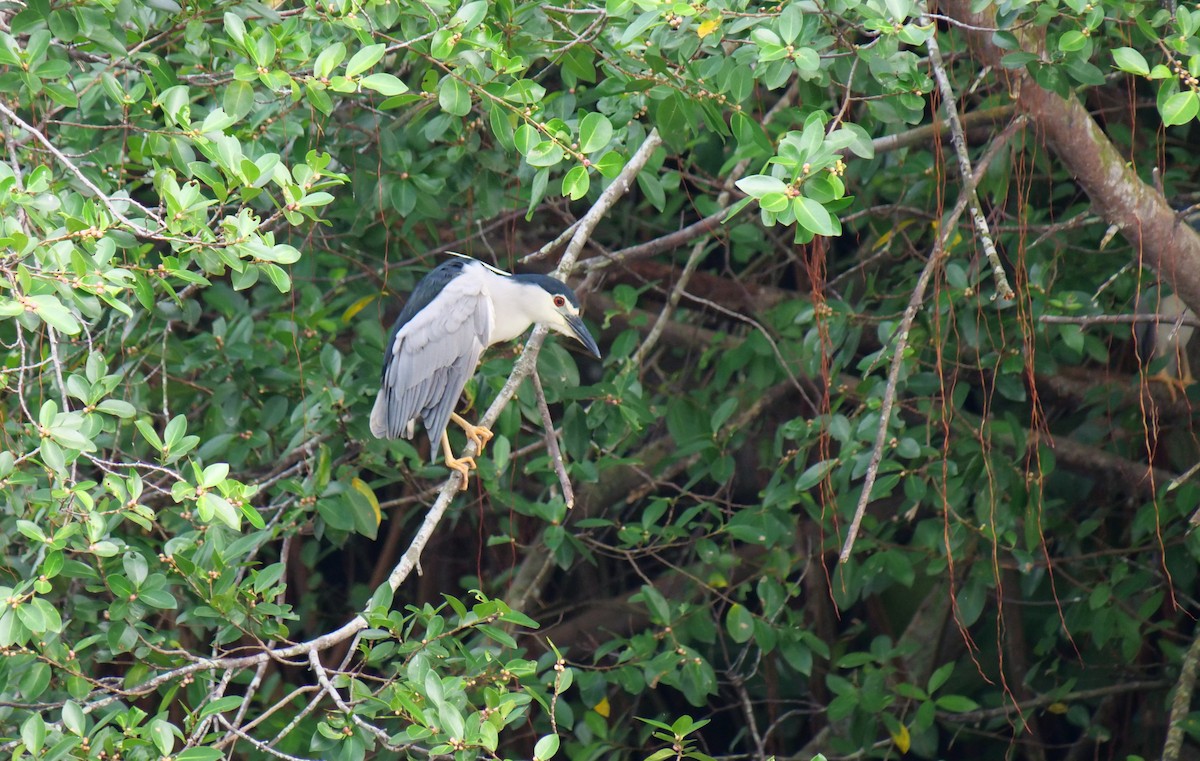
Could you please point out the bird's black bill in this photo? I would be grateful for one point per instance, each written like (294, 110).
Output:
(581, 332)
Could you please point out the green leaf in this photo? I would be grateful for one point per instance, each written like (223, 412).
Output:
(758, 185)
(221, 705)
(214, 474)
(545, 748)
(33, 733)
(328, 60)
(238, 99)
(814, 474)
(470, 15)
(939, 677)
(164, 738)
(1072, 41)
(147, 430)
(576, 183)
(956, 703)
(213, 506)
(739, 623)
(813, 216)
(1180, 108)
(365, 59)
(384, 84)
(235, 27)
(453, 96)
(278, 276)
(545, 154)
(1132, 61)
(595, 132)
(54, 314)
(610, 165)
(73, 718)
(117, 407)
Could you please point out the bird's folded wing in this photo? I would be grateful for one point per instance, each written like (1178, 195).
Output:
(431, 359)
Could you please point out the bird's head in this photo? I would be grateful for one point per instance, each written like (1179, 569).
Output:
(553, 303)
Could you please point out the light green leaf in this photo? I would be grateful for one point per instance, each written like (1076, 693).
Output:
(758, 185)
(214, 474)
(813, 216)
(211, 505)
(739, 623)
(238, 99)
(365, 59)
(545, 748)
(384, 84)
(595, 132)
(54, 314)
(164, 738)
(470, 15)
(328, 60)
(33, 733)
(454, 97)
(1180, 108)
(1132, 61)
(576, 183)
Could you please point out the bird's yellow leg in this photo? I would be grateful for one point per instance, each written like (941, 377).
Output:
(461, 464)
(477, 433)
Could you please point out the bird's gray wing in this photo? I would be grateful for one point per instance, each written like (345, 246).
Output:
(430, 360)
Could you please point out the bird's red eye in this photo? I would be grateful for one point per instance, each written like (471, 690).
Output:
(560, 301)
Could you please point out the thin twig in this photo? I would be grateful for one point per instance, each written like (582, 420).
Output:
(1118, 319)
(959, 140)
(760, 748)
(552, 447)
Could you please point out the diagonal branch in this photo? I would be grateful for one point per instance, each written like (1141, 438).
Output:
(959, 140)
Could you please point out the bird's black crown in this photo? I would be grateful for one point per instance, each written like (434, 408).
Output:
(551, 285)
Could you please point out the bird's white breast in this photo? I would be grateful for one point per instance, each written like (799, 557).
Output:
(510, 301)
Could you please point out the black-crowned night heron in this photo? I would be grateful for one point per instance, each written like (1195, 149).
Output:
(1164, 341)
(459, 309)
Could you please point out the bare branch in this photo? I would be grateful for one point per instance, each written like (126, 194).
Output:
(556, 457)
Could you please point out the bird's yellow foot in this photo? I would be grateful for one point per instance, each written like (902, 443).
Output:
(476, 433)
(463, 465)
(1176, 387)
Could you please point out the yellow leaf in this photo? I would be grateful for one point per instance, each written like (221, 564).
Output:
(361, 487)
(1057, 708)
(603, 708)
(708, 27)
(356, 307)
(902, 739)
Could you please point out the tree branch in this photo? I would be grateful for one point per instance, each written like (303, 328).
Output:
(1144, 216)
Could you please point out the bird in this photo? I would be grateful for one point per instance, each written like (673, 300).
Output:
(1167, 337)
(458, 310)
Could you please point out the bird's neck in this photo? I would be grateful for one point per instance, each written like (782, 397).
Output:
(508, 295)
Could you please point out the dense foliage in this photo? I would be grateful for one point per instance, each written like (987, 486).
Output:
(830, 246)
